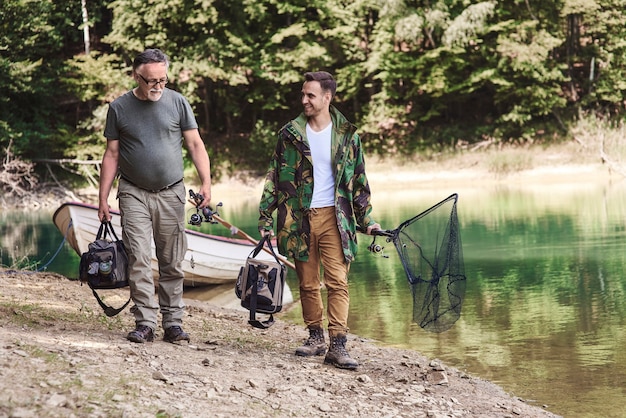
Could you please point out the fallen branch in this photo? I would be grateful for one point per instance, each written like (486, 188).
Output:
(613, 166)
(84, 169)
(17, 177)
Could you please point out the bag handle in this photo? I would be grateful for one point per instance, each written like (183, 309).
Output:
(100, 231)
(106, 228)
(259, 247)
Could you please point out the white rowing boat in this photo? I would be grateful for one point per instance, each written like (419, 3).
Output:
(210, 259)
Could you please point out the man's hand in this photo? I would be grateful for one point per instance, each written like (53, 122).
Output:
(205, 193)
(104, 214)
(374, 227)
(200, 200)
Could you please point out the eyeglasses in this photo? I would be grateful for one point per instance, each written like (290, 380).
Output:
(154, 83)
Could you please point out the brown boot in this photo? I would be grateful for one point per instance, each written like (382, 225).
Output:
(315, 345)
(337, 354)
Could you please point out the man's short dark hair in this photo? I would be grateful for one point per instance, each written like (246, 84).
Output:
(326, 80)
(149, 56)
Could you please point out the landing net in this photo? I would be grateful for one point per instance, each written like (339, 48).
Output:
(429, 246)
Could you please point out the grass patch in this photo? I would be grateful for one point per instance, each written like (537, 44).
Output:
(602, 138)
(509, 161)
(38, 316)
(18, 262)
(22, 315)
(37, 352)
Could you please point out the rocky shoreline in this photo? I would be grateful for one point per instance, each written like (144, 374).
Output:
(62, 357)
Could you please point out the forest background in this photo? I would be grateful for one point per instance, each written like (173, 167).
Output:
(419, 78)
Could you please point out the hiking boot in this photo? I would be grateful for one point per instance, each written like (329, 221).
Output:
(315, 345)
(337, 354)
(175, 333)
(141, 334)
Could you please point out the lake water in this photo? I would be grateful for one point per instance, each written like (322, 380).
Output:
(545, 307)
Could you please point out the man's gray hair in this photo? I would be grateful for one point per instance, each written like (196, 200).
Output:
(149, 56)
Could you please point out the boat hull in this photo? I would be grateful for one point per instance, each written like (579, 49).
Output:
(210, 259)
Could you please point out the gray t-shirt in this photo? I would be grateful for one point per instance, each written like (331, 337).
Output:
(150, 135)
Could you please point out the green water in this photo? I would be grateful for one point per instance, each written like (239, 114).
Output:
(545, 307)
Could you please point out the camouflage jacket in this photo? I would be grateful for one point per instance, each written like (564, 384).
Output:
(288, 187)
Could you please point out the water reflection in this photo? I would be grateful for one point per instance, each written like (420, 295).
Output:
(544, 312)
(29, 240)
(544, 309)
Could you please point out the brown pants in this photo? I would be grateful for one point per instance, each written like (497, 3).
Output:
(326, 249)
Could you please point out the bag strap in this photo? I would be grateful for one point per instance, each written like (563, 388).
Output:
(106, 228)
(259, 247)
(253, 321)
(269, 244)
(112, 231)
(109, 310)
(102, 231)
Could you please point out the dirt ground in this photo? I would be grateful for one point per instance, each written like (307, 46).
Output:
(60, 356)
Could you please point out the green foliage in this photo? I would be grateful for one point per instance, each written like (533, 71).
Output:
(97, 77)
(252, 152)
(36, 108)
(27, 80)
(603, 57)
(465, 28)
(412, 74)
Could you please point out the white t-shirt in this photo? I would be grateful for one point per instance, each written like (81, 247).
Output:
(323, 173)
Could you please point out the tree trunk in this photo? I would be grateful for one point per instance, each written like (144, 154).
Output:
(83, 6)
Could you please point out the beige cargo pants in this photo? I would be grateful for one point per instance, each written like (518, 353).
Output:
(159, 217)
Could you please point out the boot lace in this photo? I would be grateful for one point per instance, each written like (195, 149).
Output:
(339, 347)
(314, 339)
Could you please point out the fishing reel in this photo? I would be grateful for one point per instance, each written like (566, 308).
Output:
(202, 215)
(376, 248)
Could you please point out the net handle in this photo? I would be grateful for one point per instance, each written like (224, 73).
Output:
(384, 232)
(453, 196)
(392, 233)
